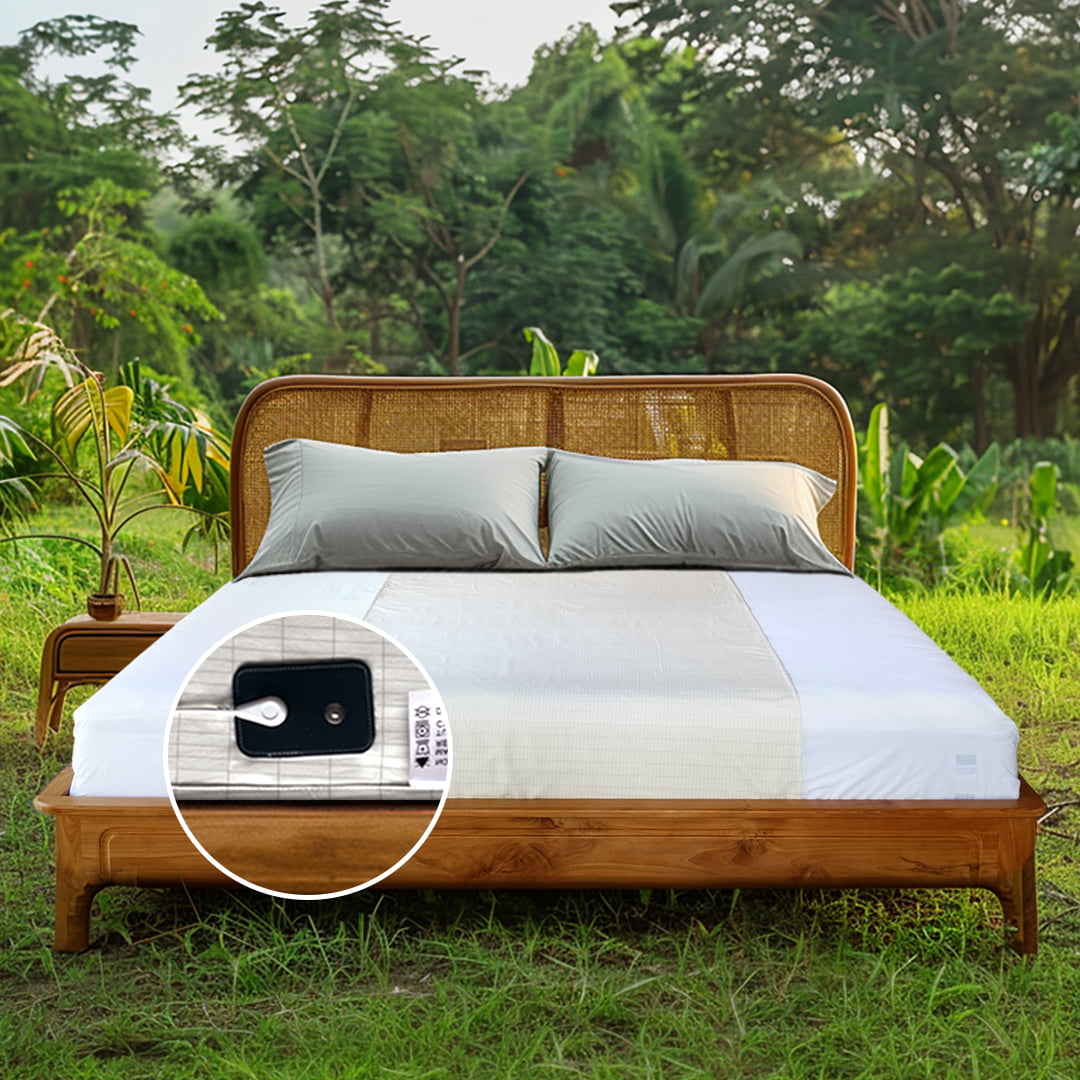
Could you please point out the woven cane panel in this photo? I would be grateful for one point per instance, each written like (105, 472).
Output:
(406, 421)
(647, 422)
(719, 418)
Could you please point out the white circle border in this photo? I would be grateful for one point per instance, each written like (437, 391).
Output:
(180, 817)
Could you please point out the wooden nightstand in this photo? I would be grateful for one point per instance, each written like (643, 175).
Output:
(85, 650)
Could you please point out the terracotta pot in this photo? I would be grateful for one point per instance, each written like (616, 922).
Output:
(105, 606)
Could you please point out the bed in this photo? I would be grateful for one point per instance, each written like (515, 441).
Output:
(668, 825)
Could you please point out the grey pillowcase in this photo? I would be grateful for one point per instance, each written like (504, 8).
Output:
(337, 507)
(736, 515)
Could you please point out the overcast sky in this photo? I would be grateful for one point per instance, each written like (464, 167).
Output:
(497, 35)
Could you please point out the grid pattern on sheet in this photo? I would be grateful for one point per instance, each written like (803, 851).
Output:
(205, 762)
(602, 681)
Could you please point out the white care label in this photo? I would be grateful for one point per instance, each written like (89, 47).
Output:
(429, 740)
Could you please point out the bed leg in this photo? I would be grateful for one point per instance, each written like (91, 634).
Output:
(73, 900)
(1017, 896)
(77, 882)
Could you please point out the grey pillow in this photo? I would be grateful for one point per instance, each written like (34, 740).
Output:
(737, 515)
(336, 507)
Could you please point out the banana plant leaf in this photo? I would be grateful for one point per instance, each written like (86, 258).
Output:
(545, 357)
(582, 362)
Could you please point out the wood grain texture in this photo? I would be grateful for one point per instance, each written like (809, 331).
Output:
(85, 651)
(307, 849)
(583, 843)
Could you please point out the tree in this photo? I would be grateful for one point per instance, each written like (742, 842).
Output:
(917, 340)
(622, 120)
(463, 169)
(223, 251)
(367, 158)
(592, 244)
(100, 285)
(65, 133)
(939, 96)
(601, 134)
(292, 95)
(567, 262)
(733, 268)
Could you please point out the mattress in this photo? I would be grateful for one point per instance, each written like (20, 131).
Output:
(882, 712)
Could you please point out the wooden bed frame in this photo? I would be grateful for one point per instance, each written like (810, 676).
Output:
(571, 843)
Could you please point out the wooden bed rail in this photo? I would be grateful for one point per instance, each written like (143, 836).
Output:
(591, 843)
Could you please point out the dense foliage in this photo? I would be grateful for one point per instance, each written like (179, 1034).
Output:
(883, 195)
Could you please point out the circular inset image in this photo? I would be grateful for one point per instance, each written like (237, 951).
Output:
(307, 755)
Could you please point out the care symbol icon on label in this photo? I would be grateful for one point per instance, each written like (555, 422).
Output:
(428, 741)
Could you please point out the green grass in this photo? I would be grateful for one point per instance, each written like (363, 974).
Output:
(844, 984)
(1064, 533)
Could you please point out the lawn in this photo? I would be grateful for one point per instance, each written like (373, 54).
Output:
(1064, 533)
(596, 984)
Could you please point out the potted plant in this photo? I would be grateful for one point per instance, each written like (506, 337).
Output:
(102, 439)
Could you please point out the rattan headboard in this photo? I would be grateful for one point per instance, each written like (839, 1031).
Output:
(750, 417)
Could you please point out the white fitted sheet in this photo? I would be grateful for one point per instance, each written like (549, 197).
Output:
(884, 712)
